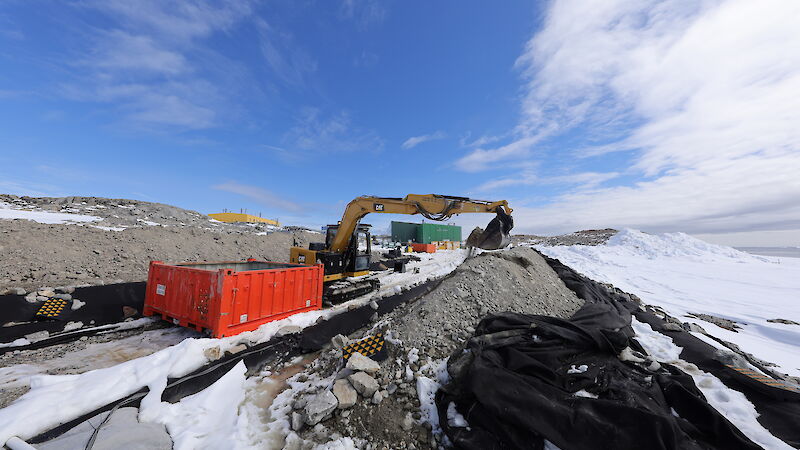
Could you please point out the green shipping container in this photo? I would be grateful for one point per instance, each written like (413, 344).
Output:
(430, 232)
(404, 231)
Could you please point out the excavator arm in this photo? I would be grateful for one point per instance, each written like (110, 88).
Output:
(432, 207)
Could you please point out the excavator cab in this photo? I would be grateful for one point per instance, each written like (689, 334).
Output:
(359, 251)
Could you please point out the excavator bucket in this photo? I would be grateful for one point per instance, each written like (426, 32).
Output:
(496, 235)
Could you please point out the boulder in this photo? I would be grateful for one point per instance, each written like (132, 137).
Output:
(345, 393)
(319, 407)
(339, 341)
(364, 384)
(360, 363)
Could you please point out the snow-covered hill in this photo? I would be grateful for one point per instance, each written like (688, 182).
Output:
(685, 275)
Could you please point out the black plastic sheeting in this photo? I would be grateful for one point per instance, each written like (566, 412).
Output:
(778, 409)
(313, 338)
(103, 306)
(514, 389)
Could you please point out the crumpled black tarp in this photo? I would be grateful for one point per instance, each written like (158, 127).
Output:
(513, 388)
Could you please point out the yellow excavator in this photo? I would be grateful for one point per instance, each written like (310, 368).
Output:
(343, 257)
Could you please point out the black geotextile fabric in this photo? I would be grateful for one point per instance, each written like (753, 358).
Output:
(103, 305)
(513, 387)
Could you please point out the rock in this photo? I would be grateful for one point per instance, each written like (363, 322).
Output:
(690, 326)
(42, 298)
(345, 393)
(297, 421)
(339, 341)
(378, 397)
(374, 317)
(212, 353)
(319, 407)
(345, 414)
(65, 289)
(31, 298)
(408, 422)
(363, 383)
(46, 292)
(391, 388)
(300, 403)
(63, 296)
(358, 362)
(669, 326)
(783, 321)
(17, 291)
(374, 305)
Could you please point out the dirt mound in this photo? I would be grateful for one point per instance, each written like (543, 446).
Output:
(517, 280)
(36, 255)
(398, 414)
(583, 237)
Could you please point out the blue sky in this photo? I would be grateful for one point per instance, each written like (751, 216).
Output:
(580, 114)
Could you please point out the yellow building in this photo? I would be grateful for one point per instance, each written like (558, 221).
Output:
(247, 218)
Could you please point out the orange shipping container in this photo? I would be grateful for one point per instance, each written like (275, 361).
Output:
(230, 297)
(423, 248)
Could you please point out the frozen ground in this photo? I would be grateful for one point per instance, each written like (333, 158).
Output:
(685, 275)
(81, 393)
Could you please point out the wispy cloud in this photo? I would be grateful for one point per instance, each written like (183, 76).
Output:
(365, 13)
(416, 140)
(150, 63)
(318, 132)
(704, 93)
(583, 180)
(286, 60)
(261, 196)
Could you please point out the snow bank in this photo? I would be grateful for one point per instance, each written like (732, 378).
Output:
(204, 420)
(685, 275)
(8, 211)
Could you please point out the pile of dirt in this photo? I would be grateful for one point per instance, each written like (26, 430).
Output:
(583, 237)
(396, 411)
(117, 213)
(36, 254)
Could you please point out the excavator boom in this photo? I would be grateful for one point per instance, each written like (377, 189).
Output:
(432, 207)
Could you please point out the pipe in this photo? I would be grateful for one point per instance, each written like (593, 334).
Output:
(16, 443)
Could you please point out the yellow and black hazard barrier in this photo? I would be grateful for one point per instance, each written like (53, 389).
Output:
(52, 308)
(372, 347)
(760, 377)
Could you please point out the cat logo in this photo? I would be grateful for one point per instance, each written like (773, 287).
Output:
(378, 206)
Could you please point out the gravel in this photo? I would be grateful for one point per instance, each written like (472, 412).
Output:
(517, 280)
(37, 254)
(583, 237)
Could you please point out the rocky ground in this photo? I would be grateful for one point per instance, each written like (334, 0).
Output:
(583, 237)
(36, 254)
(389, 404)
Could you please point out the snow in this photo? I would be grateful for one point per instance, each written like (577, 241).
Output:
(685, 275)
(148, 222)
(580, 369)
(730, 403)
(8, 211)
(108, 228)
(454, 418)
(203, 420)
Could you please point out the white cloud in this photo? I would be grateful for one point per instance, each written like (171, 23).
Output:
(363, 12)
(150, 64)
(708, 92)
(260, 196)
(416, 140)
(317, 132)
